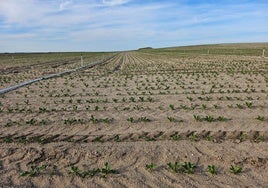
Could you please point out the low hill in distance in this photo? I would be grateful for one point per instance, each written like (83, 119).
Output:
(253, 49)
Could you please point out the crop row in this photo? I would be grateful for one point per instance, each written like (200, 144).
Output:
(106, 170)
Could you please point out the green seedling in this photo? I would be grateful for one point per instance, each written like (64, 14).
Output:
(115, 100)
(117, 138)
(208, 98)
(97, 108)
(260, 118)
(141, 99)
(26, 102)
(130, 119)
(144, 119)
(38, 140)
(106, 120)
(239, 106)
(242, 137)
(221, 118)
(93, 119)
(228, 98)
(235, 169)
(97, 139)
(260, 138)
(190, 98)
(176, 137)
(132, 99)
(212, 169)
(176, 167)
(209, 119)
(75, 107)
(8, 140)
(70, 121)
(150, 166)
(77, 172)
(249, 104)
(107, 170)
(197, 117)
(204, 106)
(94, 172)
(150, 99)
(171, 106)
(171, 119)
(23, 140)
(187, 167)
(31, 121)
(34, 171)
(208, 137)
(146, 138)
(193, 137)
(70, 140)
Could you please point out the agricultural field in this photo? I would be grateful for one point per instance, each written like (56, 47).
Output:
(20, 67)
(172, 117)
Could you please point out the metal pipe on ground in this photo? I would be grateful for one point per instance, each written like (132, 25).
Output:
(14, 87)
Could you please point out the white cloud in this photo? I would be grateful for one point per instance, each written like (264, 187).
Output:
(21, 36)
(114, 2)
(65, 4)
(24, 12)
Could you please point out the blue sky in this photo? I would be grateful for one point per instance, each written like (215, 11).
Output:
(106, 25)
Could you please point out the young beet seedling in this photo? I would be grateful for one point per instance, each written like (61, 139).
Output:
(221, 118)
(76, 171)
(249, 104)
(176, 167)
(107, 170)
(197, 117)
(130, 119)
(187, 167)
(93, 119)
(150, 166)
(209, 119)
(83, 174)
(171, 119)
(193, 137)
(144, 119)
(235, 169)
(212, 169)
(8, 140)
(171, 106)
(260, 118)
(35, 170)
(176, 137)
(117, 138)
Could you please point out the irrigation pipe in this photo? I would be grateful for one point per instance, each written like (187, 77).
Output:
(14, 87)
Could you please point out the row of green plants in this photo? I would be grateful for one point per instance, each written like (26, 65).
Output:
(189, 168)
(176, 167)
(194, 137)
(93, 119)
(105, 108)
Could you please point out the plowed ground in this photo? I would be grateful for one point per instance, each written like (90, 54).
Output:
(137, 109)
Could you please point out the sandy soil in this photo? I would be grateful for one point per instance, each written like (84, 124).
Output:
(130, 159)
